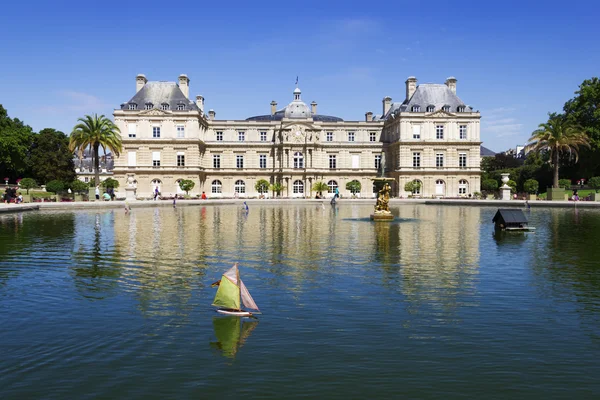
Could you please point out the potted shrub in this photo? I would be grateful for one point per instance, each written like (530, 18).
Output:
(186, 185)
(531, 186)
(594, 183)
(277, 188)
(56, 187)
(79, 188)
(27, 184)
(262, 187)
(489, 186)
(412, 187)
(354, 188)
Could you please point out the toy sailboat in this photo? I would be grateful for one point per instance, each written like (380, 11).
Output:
(231, 291)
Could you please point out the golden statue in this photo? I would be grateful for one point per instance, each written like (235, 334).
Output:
(383, 199)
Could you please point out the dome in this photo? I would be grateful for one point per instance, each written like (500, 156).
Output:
(297, 109)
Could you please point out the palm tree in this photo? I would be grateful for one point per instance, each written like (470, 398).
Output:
(320, 187)
(95, 132)
(558, 136)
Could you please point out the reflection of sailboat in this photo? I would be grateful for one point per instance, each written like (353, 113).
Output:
(231, 290)
(231, 333)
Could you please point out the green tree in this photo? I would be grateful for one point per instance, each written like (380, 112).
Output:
(531, 186)
(584, 110)
(320, 187)
(277, 188)
(594, 183)
(558, 136)
(186, 185)
(78, 186)
(15, 143)
(27, 184)
(55, 186)
(262, 186)
(96, 132)
(353, 186)
(110, 183)
(51, 158)
(412, 186)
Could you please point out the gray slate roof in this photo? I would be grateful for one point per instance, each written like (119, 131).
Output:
(158, 93)
(430, 94)
(510, 216)
(485, 152)
(278, 116)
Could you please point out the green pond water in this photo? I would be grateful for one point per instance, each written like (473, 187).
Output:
(436, 305)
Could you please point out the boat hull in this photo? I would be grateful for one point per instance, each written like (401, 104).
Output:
(235, 313)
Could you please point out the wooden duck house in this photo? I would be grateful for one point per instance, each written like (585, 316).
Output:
(511, 219)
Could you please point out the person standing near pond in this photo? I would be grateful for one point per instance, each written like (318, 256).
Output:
(155, 193)
(97, 192)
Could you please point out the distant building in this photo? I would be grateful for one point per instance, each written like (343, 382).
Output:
(431, 136)
(84, 167)
(485, 152)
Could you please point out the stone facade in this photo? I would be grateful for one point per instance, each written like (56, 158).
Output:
(167, 137)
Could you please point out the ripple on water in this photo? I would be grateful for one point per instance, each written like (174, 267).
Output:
(434, 304)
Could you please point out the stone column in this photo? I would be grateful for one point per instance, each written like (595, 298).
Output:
(505, 189)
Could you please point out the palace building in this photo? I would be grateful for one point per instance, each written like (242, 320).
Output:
(431, 136)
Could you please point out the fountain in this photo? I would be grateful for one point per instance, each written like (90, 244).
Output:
(382, 210)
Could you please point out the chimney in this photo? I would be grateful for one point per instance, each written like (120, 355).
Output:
(369, 116)
(184, 85)
(451, 83)
(140, 81)
(273, 107)
(387, 104)
(313, 108)
(211, 114)
(200, 102)
(411, 87)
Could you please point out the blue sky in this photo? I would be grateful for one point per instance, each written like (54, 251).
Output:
(514, 60)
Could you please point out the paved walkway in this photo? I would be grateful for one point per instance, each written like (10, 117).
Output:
(4, 208)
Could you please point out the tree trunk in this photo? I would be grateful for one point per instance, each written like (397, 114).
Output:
(97, 165)
(555, 162)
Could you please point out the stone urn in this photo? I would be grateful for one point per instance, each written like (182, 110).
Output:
(505, 189)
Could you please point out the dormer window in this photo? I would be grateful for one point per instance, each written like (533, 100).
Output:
(446, 108)
(132, 106)
(460, 109)
(164, 106)
(149, 106)
(430, 108)
(180, 107)
(416, 109)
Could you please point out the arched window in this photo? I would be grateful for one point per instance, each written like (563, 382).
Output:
(446, 108)
(240, 186)
(416, 109)
(460, 108)
(298, 187)
(149, 106)
(298, 160)
(216, 187)
(430, 108)
(164, 106)
(332, 186)
(440, 188)
(463, 187)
